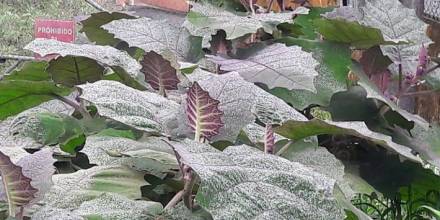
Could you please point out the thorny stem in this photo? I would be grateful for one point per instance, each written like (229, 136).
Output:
(75, 105)
(174, 200)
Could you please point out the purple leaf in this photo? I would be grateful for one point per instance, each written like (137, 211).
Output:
(159, 73)
(17, 187)
(203, 114)
(269, 140)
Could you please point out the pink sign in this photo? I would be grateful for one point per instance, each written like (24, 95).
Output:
(54, 29)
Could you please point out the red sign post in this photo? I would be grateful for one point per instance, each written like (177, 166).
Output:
(54, 29)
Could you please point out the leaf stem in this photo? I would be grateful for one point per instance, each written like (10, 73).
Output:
(74, 105)
(284, 148)
(269, 8)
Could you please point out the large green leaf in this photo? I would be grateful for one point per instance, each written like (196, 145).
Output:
(297, 130)
(157, 35)
(19, 95)
(92, 27)
(350, 32)
(276, 66)
(120, 61)
(71, 190)
(71, 71)
(205, 20)
(145, 111)
(49, 129)
(241, 103)
(151, 155)
(334, 61)
(32, 71)
(105, 206)
(244, 183)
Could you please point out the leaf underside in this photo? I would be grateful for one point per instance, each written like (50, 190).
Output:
(18, 189)
(203, 113)
(158, 72)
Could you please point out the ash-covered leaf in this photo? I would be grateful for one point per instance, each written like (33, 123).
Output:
(203, 114)
(70, 191)
(396, 22)
(242, 102)
(142, 110)
(244, 183)
(276, 66)
(347, 13)
(16, 188)
(104, 54)
(152, 35)
(158, 72)
(105, 206)
(297, 130)
(205, 20)
(92, 27)
(39, 167)
(151, 155)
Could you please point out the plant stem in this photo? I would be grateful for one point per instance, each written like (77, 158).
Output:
(175, 200)
(400, 77)
(418, 93)
(96, 5)
(269, 8)
(75, 105)
(284, 148)
(14, 57)
(251, 6)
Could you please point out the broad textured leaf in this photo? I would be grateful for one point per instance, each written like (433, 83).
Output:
(297, 130)
(276, 66)
(145, 111)
(347, 13)
(39, 167)
(152, 35)
(18, 190)
(158, 72)
(351, 32)
(205, 20)
(92, 27)
(244, 183)
(334, 61)
(103, 54)
(374, 93)
(241, 103)
(203, 114)
(105, 206)
(396, 22)
(32, 71)
(19, 95)
(48, 129)
(152, 155)
(70, 71)
(71, 190)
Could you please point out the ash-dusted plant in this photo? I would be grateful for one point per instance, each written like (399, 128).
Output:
(217, 113)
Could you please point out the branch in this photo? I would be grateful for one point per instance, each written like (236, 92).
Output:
(174, 200)
(11, 68)
(426, 92)
(96, 5)
(15, 57)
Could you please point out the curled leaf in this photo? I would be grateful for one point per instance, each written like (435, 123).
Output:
(17, 187)
(159, 73)
(203, 113)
